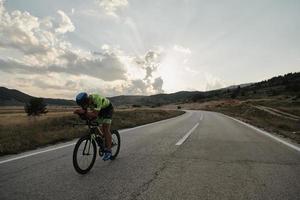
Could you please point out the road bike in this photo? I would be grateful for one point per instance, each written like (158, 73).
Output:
(85, 151)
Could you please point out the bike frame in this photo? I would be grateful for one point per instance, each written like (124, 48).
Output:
(93, 132)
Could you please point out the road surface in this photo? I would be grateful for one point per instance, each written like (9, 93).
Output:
(199, 155)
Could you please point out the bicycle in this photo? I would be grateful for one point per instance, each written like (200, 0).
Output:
(86, 147)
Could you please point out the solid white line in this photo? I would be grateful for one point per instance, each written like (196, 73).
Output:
(297, 148)
(63, 146)
(35, 153)
(187, 135)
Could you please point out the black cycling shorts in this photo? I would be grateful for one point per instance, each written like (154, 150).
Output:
(106, 113)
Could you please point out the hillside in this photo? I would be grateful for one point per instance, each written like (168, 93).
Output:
(11, 97)
(287, 85)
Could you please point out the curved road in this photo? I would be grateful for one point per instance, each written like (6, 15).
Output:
(199, 155)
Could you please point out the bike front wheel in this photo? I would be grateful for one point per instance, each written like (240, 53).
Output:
(84, 154)
(116, 144)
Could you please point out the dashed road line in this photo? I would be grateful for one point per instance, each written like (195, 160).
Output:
(187, 135)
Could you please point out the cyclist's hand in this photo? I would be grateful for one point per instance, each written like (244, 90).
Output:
(79, 112)
(91, 115)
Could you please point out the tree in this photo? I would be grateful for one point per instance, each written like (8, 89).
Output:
(35, 107)
(235, 92)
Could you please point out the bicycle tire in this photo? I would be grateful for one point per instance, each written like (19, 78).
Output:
(118, 138)
(75, 152)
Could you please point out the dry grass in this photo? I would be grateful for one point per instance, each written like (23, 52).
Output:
(19, 132)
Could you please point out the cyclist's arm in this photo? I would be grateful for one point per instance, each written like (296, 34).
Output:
(79, 111)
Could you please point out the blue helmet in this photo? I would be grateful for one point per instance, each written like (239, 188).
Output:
(81, 98)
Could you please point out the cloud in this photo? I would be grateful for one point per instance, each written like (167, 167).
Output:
(45, 85)
(37, 51)
(150, 84)
(21, 31)
(137, 87)
(108, 69)
(143, 87)
(2, 9)
(71, 84)
(65, 24)
(182, 49)
(157, 85)
(212, 82)
(35, 38)
(150, 62)
(111, 6)
(45, 49)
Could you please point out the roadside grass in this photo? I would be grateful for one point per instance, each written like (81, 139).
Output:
(19, 132)
(136, 117)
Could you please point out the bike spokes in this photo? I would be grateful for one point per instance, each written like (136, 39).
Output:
(84, 154)
(115, 146)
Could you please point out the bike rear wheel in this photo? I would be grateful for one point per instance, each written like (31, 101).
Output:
(116, 144)
(84, 154)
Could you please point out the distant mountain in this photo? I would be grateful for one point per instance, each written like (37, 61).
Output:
(12, 97)
(288, 85)
(126, 99)
(154, 100)
(236, 86)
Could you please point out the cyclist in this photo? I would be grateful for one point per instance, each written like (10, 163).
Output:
(100, 108)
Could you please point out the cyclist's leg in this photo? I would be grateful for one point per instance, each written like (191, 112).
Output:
(106, 124)
(107, 135)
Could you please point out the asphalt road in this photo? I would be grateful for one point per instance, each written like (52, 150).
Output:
(220, 159)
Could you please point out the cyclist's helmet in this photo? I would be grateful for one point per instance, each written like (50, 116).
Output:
(81, 98)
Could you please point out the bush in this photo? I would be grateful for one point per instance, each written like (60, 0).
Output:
(36, 106)
(136, 106)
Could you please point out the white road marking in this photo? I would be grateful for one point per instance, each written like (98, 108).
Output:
(297, 148)
(187, 135)
(67, 145)
(201, 117)
(35, 153)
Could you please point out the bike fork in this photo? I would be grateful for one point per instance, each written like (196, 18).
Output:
(89, 147)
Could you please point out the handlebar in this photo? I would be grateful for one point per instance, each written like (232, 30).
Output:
(87, 123)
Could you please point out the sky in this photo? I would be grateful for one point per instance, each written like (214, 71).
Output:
(57, 48)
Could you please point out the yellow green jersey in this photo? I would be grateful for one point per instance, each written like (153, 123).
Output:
(98, 102)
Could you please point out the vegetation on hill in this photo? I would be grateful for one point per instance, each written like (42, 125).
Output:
(288, 85)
